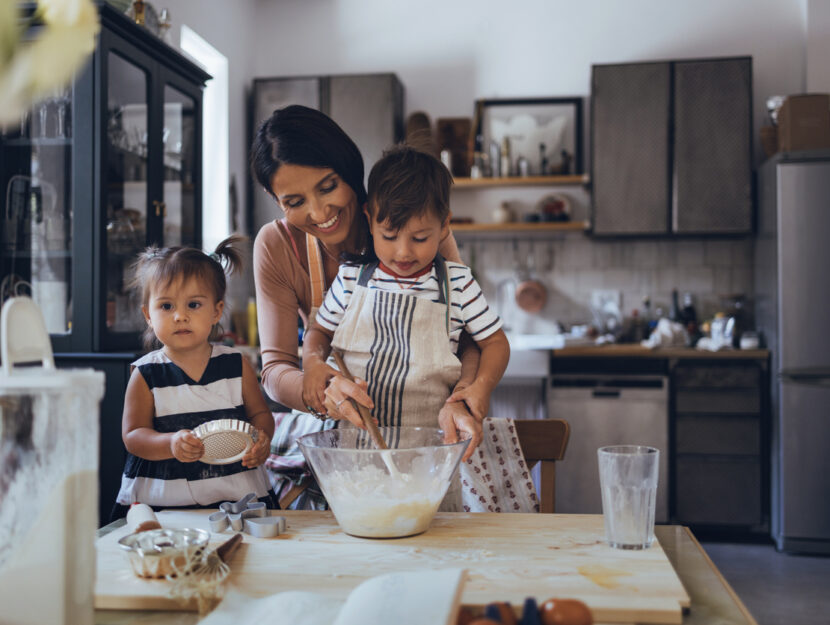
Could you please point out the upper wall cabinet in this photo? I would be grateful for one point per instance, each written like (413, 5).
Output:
(95, 174)
(369, 108)
(672, 147)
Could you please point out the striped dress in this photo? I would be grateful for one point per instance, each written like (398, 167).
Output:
(182, 403)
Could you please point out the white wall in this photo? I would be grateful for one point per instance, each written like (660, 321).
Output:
(450, 52)
(818, 46)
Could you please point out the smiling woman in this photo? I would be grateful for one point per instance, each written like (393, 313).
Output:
(314, 172)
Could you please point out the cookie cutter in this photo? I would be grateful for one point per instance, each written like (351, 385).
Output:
(248, 515)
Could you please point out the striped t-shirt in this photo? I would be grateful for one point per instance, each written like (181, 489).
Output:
(468, 307)
(183, 403)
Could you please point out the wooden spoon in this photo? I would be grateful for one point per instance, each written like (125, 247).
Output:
(374, 432)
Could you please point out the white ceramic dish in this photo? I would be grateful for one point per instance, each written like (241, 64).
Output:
(225, 440)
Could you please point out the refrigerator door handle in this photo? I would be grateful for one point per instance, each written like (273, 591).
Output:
(817, 376)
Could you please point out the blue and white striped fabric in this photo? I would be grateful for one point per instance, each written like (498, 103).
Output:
(468, 307)
(184, 403)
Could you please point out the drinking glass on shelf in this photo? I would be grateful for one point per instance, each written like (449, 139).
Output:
(43, 118)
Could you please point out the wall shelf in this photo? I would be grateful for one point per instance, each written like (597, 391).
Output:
(512, 227)
(521, 181)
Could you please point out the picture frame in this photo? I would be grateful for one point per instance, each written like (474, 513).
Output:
(529, 123)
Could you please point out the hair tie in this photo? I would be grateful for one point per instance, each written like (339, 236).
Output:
(216, 257)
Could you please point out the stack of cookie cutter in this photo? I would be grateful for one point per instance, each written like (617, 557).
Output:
(248, 515)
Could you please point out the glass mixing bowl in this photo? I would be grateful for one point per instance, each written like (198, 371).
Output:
(383, 493)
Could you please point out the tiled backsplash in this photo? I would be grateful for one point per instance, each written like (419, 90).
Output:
(574, 265)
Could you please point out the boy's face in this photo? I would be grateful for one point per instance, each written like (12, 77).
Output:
(413, 247)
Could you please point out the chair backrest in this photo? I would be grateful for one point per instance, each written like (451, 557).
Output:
(544, 441)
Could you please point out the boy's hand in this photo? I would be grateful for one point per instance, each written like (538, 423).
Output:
(453, 418)
(316, 375)
(185, 447)
(339, 391)
(259, 451)
(476, 397)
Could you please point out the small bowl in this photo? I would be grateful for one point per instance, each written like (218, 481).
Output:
(159, 553)
(383, 493)
(225, 440)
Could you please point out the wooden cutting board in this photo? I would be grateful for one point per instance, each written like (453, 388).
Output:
(508, 557)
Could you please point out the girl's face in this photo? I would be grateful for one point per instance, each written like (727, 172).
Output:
(316, 200)
(182, 314)
(408, 250)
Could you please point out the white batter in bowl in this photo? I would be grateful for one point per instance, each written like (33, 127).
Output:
(383, 494)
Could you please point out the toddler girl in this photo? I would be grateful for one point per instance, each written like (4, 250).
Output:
(187, 382)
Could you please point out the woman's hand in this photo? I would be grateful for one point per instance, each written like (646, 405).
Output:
(453, 418)
(475, 396)
(185, 447)
(259, 451)
(316, 375)
(337, 394)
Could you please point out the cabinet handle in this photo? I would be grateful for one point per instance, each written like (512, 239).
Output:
(608, 394)
(157, 205)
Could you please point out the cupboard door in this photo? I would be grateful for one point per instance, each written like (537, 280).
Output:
(370, 109)
(712, 147)
(126, 186)
(631, 159)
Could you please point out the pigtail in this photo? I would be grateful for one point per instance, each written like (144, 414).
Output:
(228, 255)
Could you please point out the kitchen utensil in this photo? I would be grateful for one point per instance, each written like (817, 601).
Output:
(377, 439)
(203, 575)
(159, 553)
(531, 295)
(628, 481)
(247, 515)
(49, 425)
(225, 440)
(367, 500)
(141, 518)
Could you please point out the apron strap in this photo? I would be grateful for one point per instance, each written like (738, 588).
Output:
(443, 286)
(316, 271)
(366, 272)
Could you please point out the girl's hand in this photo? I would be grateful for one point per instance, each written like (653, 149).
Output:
(185, 447)
(337, 394)
(259, 451)
(476, 398)
(453, 418)
(316, 375)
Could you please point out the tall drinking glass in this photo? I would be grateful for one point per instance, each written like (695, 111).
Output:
(628, 481)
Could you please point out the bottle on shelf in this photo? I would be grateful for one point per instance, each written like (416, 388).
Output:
(674, 311)
(543, 160)
(506, 160)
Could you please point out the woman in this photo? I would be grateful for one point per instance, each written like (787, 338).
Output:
(314, 171)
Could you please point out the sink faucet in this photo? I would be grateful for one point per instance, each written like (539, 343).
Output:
(502, 294)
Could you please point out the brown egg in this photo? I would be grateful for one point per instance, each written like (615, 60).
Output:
(565, 612)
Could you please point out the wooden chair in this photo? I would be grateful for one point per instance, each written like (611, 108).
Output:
(545, 441)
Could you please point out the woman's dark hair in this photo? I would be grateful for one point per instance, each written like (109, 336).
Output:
(407, 183)
(158, 268)
(298, 135)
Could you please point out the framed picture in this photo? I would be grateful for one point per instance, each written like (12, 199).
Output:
(545, 132)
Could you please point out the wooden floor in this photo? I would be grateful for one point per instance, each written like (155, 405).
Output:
(777, 588)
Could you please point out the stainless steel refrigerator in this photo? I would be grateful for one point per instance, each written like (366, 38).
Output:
(792, 287)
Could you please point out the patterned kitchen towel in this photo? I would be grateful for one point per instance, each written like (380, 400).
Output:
(496, 478)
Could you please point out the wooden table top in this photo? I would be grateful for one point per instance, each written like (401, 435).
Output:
(711, 597)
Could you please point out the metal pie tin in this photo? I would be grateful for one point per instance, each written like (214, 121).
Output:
(225, 440)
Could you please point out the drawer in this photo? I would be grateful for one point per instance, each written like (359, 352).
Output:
(718, 434)
(714, 401)
(723, 376)
(718, 491)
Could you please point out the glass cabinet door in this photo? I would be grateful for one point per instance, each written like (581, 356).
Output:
(125, 189)
(178, 139)
(36, 179)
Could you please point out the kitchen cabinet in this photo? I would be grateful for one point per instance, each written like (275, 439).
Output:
(672, 147)
(721, 444)
(369, 108)
(94, 175)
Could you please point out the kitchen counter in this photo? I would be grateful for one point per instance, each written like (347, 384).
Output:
(632, 350)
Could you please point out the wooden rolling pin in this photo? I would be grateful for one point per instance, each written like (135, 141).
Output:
(361, 409)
